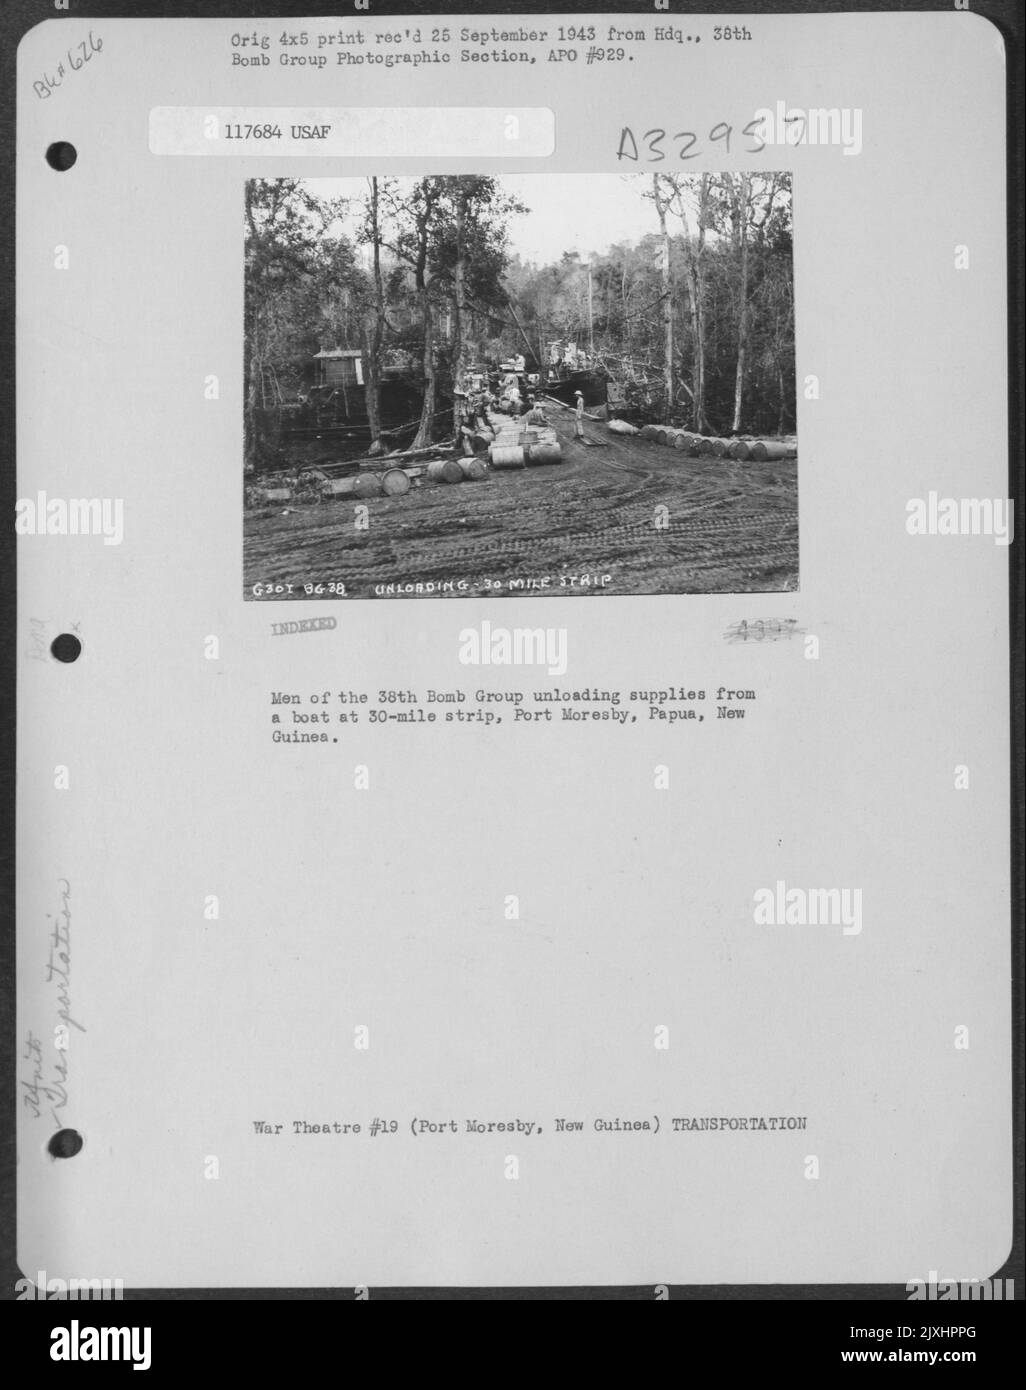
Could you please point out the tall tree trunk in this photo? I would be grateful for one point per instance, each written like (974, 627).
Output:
(742, 323)
(625, 301)
(420, 276)
(427, 413)
(703, 213)
(373, 329)
(782, 412)
(460, 356)
(252, 361)
(667, 298)
(591, 313)
(694, 274)
(252, 429)
(371, 379)
(697, 309)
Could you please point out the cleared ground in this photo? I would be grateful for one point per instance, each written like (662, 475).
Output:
(729, 528)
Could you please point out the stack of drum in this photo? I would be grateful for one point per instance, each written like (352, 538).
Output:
(742, 450)
(514, 448)
(445, 471)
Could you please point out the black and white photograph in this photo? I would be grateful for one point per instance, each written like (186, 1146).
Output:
(664, 949)
(533, 384)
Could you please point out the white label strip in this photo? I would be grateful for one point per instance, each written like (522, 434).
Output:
(357, 132)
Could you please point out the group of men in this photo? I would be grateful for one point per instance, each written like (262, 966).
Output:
(568, 355)
(530, 408)
(515, 399)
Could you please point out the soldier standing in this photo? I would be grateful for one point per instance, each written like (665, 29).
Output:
(579, 416)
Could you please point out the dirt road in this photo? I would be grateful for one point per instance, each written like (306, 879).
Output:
(641, 514)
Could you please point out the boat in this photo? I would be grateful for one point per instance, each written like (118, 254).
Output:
(563, 383)
(559, 380)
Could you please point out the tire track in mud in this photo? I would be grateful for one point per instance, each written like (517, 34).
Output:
(726, 526)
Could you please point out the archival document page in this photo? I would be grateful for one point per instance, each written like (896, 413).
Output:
(513, 595)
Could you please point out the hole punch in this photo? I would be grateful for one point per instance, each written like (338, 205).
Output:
(66, 1143)
(66, 647)
(61, 155)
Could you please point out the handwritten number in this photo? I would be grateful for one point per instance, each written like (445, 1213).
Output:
(725, 136)
(656, 155)
(757, 132)
(689, 148)
(45, 85)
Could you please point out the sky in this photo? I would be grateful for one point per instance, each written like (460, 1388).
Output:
(587, 213)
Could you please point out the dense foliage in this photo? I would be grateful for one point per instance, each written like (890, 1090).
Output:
(694, 322)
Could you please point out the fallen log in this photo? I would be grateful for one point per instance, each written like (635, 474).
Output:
(339, 487)
(443, 450)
